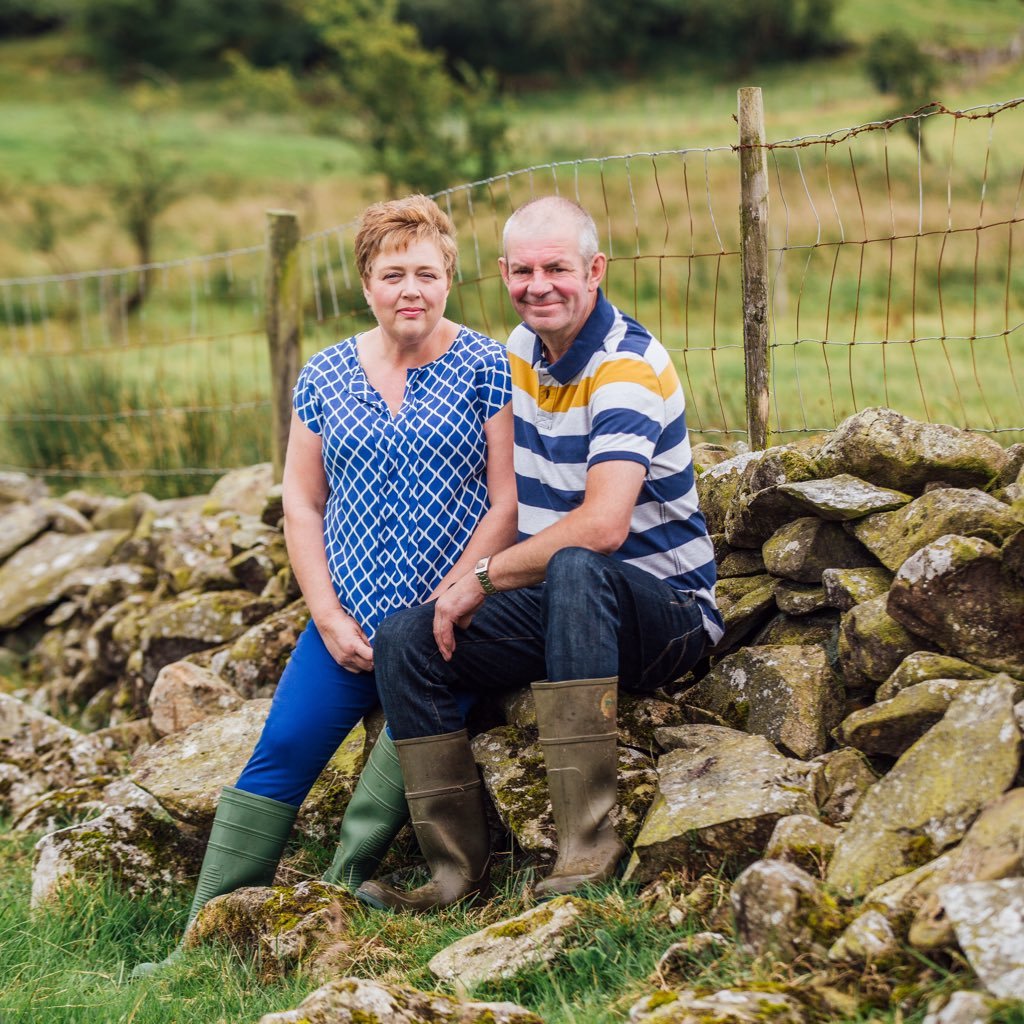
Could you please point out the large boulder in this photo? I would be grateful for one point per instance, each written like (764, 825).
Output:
(758, 508)
(502, 950)
(195, 622)
(38, 575)
(143, 852)
(957, 593)
(921, 666)
(243, 490)
(929, 798)
(728, 1006)
(843, 497)
(782, 911)
(889, 727)
(993, 848)
(253, 663)
(304, 926)
(894, 536)
(872, 643)
(890, 450)
(184, 694)
(786, 693)
(720, 793)
(988, 918)
(359, 1001)
(804, 548)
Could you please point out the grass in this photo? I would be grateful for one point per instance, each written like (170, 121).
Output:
(69, 960)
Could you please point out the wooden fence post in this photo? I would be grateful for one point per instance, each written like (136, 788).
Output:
(754, 257)
(284, 324)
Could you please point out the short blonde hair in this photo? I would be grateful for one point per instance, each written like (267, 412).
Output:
(399, 223)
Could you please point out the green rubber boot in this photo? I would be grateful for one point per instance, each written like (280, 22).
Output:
(374, 816)
(246, 841)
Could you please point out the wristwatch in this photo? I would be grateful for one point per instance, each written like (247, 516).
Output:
(480, 571)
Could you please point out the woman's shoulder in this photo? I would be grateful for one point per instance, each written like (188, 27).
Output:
(334, 359)
(480, 347)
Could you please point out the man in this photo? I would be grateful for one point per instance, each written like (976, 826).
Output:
(611, 582)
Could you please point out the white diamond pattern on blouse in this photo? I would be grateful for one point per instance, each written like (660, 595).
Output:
(406, 492)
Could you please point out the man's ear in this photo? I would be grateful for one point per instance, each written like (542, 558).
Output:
(503, 267)
(598, 266)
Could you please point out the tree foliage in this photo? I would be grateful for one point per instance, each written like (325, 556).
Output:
(527, 37)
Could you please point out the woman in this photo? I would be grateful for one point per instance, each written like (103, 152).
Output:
(398, 478)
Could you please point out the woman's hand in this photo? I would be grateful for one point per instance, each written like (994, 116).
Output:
(346, 642)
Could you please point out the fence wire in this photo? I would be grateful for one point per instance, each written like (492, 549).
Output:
(894, 280)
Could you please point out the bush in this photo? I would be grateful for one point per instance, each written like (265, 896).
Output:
(897, 65)
(518, 37)
(32, 17)
(188, 37)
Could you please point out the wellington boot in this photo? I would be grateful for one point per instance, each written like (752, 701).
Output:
(576, 720)
(372, 819)
(248, 835)
(447, 807)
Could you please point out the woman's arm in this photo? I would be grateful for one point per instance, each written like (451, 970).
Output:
(305, 496)
(497, 529)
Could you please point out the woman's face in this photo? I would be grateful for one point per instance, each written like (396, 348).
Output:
(407, 290)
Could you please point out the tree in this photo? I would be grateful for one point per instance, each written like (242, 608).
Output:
(140, 175)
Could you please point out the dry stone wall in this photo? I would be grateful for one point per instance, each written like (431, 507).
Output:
(847, 754)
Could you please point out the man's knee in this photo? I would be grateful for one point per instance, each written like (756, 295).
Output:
(571, 568)
(400, 632)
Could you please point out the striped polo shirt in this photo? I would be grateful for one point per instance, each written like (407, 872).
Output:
(613, 396)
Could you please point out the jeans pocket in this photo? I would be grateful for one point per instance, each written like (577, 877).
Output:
(678, 656)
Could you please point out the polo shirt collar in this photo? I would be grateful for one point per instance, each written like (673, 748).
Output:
(589, 340)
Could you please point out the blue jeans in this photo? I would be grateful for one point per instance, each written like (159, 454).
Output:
(316, 705)
(591, 618)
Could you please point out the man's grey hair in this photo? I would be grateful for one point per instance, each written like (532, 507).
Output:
(538, 213)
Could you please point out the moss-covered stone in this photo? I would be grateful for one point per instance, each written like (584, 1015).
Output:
(745, 603)
(843, 497)
(502, 950)
(894, 536)
(891, 450)
(196, 621)
(928, 800)
(787, 694)
(784, 912)
(921, 666)
(39, 574)
(720, 793)
(872, 643)
(846, 588)
(142, 852)
(802, 549)
(253, 662)
(359, 1001)
(958, 594)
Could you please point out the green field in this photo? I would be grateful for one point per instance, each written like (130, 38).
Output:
(895, 275)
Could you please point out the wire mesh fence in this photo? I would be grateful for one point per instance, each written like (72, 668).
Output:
(894, 279)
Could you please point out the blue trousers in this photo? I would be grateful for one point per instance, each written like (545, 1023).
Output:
(315, 706)
(593, 617)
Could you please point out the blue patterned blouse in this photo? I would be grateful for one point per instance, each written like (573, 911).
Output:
(406, 491)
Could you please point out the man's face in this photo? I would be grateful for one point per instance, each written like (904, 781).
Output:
(550, 286)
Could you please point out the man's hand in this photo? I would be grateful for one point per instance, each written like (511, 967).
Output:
(346, 642)
(456, 607)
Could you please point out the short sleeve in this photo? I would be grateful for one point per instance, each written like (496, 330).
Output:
(493, 381)
(306, 399)
(628, 412)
